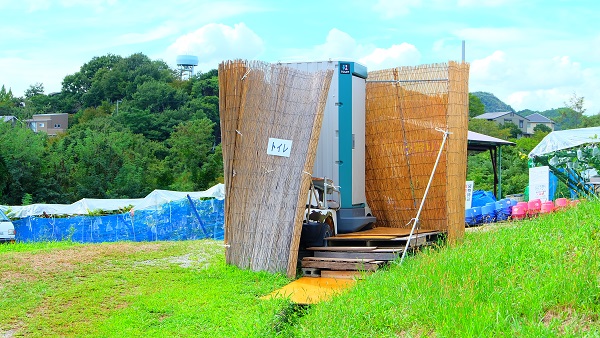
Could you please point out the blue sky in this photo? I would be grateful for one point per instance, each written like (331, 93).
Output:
(531, 54)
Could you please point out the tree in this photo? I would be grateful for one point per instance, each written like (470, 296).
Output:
(4, 179)
(576, 103)
(513, 130)
(591, 121)
(34, 89)
(157, 97)
(7, 105)
(102, 159)
(22, 151)
(489, 128)
(476, 107)
(190, 144)
(542, 127)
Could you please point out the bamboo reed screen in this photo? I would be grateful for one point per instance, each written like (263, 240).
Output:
(265, 194)
(404, 107)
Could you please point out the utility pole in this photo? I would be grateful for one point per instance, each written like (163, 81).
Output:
(118, 106)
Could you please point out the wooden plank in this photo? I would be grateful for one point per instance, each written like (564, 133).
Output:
(341, 265)
(343, 248)
(415, 235)
(350, 260)
(384, 256)
(396, 250)
(345, 274)
(360, 237)
(384, 231)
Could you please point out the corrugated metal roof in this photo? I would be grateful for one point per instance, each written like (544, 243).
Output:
(477, 139)
(538, 118)
(491, 116)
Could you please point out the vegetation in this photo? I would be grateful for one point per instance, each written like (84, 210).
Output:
(476, 107)
(492, 103)
(533, 278)
(133, 127)
(515, 174)
(136, 127)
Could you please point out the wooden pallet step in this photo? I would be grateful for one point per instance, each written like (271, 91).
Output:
(383, 256)
(333, 242)
(353, 249)
(383, 231)
(343, 248)
(341, 263)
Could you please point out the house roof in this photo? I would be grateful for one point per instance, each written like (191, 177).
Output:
(538, 118)
(495, 115)
(8, 118)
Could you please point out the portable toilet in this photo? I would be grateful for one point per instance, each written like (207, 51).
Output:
(341, 148)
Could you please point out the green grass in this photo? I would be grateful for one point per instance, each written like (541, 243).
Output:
(538, 278)
(134, 289)
(34, 246)
(535, 278)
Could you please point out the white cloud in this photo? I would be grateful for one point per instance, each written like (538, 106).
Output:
(394, 8)
(483, 3)
(214, 43)
(495, 35)
(154, 34)
(97, 5)
(389, 9)
(490, 69)
(37, 5)
(397, 55)
(25, 72)
(340, 45)
(535, 82)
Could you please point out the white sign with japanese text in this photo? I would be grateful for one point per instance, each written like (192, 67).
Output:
(539, 183)
(279, 147)
(468, 194)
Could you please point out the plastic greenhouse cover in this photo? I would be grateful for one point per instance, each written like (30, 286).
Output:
(564, 139)
(84, 206)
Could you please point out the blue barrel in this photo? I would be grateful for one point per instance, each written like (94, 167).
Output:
(477, 215)
(489, 213)
(469, 217)
(505, 210)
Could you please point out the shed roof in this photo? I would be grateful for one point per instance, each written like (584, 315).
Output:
(477, 141)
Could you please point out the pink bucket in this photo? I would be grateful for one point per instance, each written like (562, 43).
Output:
(519, 211)
(534, 207)
(561, 203)
(547, 207)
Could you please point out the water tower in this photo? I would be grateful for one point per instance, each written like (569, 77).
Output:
(186, 64)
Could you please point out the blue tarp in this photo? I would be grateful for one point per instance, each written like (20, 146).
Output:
(481, 198)
(168, 222)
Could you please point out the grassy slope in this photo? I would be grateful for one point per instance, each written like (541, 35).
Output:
(534, 278)
(531, 278)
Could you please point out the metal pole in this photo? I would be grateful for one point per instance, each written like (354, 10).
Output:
(416, 219)
(499, 172)
(463, 51)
